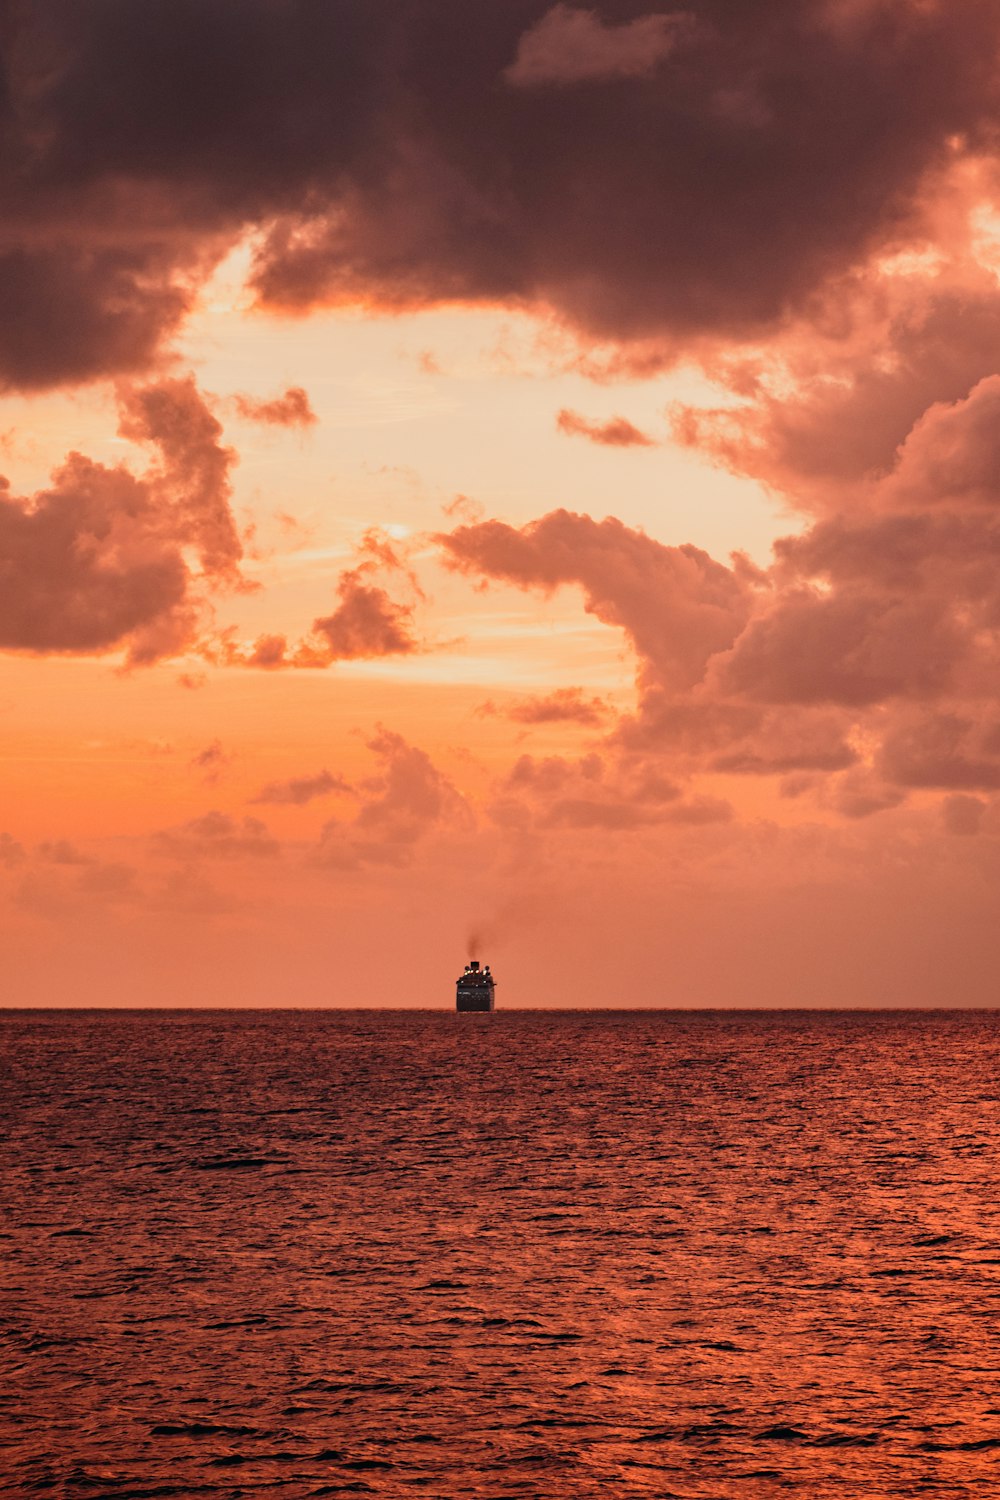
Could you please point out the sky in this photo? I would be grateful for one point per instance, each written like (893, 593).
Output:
(512, 480)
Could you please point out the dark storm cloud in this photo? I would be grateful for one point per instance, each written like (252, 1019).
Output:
(571, 45)
(705, 181)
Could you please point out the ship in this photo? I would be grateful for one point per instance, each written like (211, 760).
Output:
(475, 988)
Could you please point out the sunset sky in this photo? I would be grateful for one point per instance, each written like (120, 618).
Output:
(500, 477)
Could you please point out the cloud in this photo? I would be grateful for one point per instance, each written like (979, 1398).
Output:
(615, 433)
(951, 456)
(112, 881)
(62, 852)
(615, 795)
(943, 749)
(87, 567)
(855, 647)
(677, 606)
(216, 835)
(963, 815)
(860, 793)
(594, 812)
(569, 46)
(74, 310)
(577, 162)
(366, 622)
(99, 559)
(299, 790)
(701, 810)
(401, 805)
(191, 481)
(289, 410)
(212, 761)
(11, 852)
(865, 658)
(826, 403)
(563, 706)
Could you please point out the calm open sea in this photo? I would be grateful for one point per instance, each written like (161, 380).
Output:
(528, 1254)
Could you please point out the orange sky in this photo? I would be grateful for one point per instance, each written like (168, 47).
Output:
(615, 582)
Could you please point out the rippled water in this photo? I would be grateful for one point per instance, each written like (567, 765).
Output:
(535, 1254)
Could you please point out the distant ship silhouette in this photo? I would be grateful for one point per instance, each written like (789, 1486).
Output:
(475, 988)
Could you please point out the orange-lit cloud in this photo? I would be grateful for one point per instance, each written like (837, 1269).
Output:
(615, 433)
(292, 409)
(408, 798)
(217, 835)
(99, 559)
(298, 790)
(563, 706)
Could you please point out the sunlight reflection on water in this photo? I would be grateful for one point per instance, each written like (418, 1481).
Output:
(536, 1254)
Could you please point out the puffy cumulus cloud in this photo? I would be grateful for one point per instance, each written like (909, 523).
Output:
(140, 145)
(563, 706)
(570, 45)
(366, 623)
(217, 835)
(191, 481)
(99, 559)
(407, 800)
(677, 606)
(943, 749)
(827, 404)
(951, 456)
(86, 567)
(298, 790)
(855, 647)
(617, 432)
(778, 742)
(860, 668)
(293, 409)
(606, 795)
(895, 596)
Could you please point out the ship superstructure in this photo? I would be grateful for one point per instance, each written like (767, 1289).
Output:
(475, 988)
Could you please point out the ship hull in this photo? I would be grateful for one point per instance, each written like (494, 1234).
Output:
(474, 1003)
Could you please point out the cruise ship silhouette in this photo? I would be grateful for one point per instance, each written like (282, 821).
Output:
(475, 988)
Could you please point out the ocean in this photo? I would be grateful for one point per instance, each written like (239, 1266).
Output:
(550, 1254)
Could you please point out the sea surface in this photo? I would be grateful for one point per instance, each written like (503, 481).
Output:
(550, 1254)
